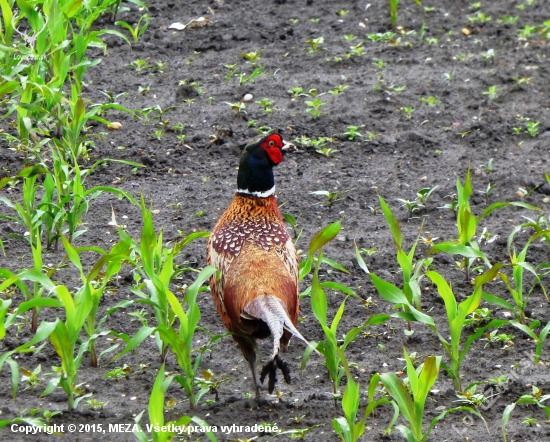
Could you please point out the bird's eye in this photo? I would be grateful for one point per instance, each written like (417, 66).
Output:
(271, 143)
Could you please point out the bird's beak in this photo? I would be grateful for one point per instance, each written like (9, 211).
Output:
(288, 146)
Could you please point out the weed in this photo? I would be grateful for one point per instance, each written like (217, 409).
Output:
(491, 92)
(448, 76)
(258, 72)
(314, 44)
(297, 92)
(352, 133)
(237, 107)
(431, 101)
(326, 151)
(314, 107)
(252, 56)
(266, 105)
(331, 198)
(407, 111)
(532, 128)
(338, 90)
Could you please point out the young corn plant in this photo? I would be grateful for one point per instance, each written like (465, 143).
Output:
(95, 284)
(330, 348)
(181, 342)
(456, 315)
(347, 427)
(411, 398)
(515, 285)
(154, 263)
(412, 271)
(64, 335)
(466, 245)
(161, 431)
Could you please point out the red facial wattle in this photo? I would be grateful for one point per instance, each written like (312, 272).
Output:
(273, 145)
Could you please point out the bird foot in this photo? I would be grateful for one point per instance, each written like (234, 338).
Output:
(271, 369)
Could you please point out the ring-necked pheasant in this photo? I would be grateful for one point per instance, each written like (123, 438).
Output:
(256, 292)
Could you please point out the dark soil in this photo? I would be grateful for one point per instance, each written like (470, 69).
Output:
(190, 183)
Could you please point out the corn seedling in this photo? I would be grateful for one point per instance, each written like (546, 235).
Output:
(515, 285)
(467, 223)
(94, 284)
(347, 427)
(161, 431)
(157, 270)
(64, 336)
(138, 30)
(411, 399)
(181, 342)
(330, 348)
(412, 272)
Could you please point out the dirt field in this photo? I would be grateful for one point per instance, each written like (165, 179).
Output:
(190, 181)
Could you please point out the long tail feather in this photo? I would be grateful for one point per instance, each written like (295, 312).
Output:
(272, 311)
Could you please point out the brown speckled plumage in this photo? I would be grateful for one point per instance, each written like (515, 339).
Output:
(253, 250)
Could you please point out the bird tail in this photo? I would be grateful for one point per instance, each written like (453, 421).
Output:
(273, 312)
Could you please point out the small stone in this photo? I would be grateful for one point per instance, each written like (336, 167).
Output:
(248, 97)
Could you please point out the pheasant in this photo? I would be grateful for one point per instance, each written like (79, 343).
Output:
(256, 290)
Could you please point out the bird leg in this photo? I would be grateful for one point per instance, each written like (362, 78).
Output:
(271, 369)
(251, 358)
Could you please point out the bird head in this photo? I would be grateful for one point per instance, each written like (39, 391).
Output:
(256, 166)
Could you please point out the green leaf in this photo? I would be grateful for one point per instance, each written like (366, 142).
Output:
(505, 418)
(360, 260)
(323, 237)
(392, 223)
(399, 393)
(446, 293)
(540, 343)
(495, 206)
(388, 291)
(14, 377)
(525, 329)
(156, 400)
(457, 249)
(137, 339)
(318, 297)
(492, 299)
